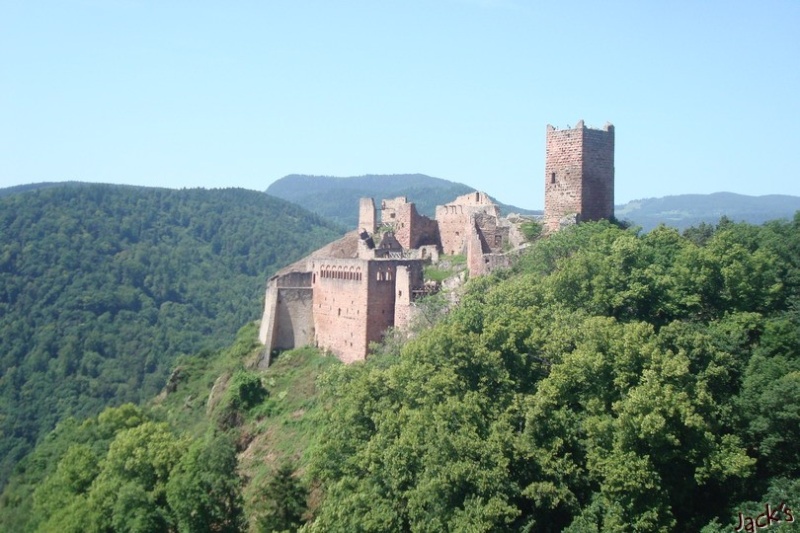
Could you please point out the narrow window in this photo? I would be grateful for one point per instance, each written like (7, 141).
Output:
(552, 177)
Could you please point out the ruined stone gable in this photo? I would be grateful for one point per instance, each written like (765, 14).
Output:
(411, 229)
(454, 220)
(366, 215)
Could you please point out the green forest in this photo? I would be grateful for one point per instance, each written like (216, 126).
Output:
(610, 381)
(103, 286)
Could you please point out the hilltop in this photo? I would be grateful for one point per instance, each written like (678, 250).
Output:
(685, 210)
(335, 198)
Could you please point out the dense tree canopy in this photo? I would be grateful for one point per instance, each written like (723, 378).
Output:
(101, 287)
(614, 382)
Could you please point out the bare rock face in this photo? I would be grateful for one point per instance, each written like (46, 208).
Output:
(174, 379)
(568, 220)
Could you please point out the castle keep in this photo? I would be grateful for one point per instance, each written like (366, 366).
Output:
(579, 175)
(347, 294)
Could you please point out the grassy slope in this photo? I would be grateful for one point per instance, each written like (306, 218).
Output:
(279, 430)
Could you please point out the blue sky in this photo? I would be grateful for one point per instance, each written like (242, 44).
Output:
(703, 95)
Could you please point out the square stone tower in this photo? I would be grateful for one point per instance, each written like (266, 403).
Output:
(579, 174)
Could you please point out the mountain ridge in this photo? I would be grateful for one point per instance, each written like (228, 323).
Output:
(337, 198)
(684, 210)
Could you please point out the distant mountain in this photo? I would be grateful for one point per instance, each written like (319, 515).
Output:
(16, 189)
(103, 286)
(685, 210)
(337, 198)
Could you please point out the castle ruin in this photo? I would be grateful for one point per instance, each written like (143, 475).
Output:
(345, 295)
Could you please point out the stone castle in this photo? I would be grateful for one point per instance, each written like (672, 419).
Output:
(347, 294)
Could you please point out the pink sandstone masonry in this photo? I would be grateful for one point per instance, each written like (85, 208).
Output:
(354, 301)
(579, 174)
(347, 294)
(454, 218)
(366, 215)
(411, 229)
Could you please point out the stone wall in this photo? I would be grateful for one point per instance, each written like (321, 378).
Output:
(475, 251)
(598, 174)
(287, 321)
(409, 279)
(494, 236)
(340, 306)
(380, 300)
(453, 220)
(356, 300)
(294, 321)
(410, 228)
(366, 215)
(579, 174)
(266, 331)
(402, 297)
(485, 242)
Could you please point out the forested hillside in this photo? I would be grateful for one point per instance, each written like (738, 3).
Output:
(613, 382)
(610, 381)
(101, 287)
(337, 198)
